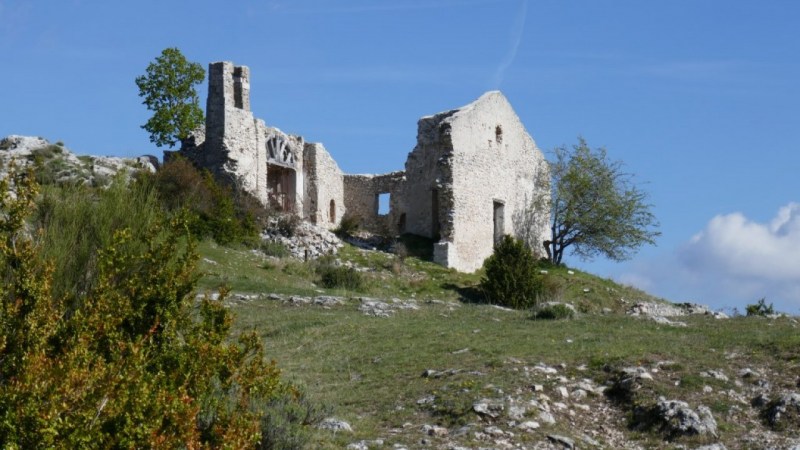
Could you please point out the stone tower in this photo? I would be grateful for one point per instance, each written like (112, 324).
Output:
(232, 133)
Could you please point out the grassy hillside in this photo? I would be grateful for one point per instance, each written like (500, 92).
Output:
(419, 378)
(387, 275)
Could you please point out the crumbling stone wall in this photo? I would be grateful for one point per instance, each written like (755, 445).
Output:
(361, 194)
(228, 145)
(482, 164)
(429, 187)
(325, 201)
(286, 176)
(471, 174)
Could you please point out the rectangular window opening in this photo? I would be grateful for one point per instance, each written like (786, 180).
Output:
(238, 100)
(384, 199)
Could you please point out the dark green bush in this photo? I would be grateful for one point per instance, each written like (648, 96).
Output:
(511, 276)
(333, 276)
(47, 152)
(557, 311)
(217, 211)
(760, 309)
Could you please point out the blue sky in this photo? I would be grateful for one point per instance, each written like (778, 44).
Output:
(699, 98)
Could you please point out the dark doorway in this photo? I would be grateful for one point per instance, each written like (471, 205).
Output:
(281, 187)
(499, 225)
(332, 212)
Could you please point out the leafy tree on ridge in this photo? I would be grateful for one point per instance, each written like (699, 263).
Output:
(168, 90)
(594, 207)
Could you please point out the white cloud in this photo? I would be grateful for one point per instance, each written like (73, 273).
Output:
(732, 262)
(736, 246)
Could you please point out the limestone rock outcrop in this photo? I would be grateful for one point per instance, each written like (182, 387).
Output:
(57, 164)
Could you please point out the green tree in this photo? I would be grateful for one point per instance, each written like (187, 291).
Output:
(168, 90)
(511, 278)
(595, 208)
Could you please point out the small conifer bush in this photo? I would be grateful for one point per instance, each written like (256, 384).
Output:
(511, 277)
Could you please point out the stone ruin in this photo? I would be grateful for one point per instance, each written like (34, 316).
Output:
(465, 184)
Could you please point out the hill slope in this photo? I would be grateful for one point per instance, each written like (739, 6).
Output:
(414, 361)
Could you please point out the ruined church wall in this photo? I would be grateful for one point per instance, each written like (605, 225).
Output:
(428, 190)
(361, 199)
(324, 199)
(467, 164)
(495, 161)
(296, 144)
(233, 135)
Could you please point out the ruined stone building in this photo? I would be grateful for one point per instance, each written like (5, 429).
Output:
(471, 172)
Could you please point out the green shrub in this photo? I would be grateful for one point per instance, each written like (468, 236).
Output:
(348, 225)
(75, 222)
(53, 169)
(511, 277)
(333, 276)
(47, 152)
(273, 248)
(217, 211)
(286, 421)
(558, 311)
(134, 364)
(553, 288)
(760, 309)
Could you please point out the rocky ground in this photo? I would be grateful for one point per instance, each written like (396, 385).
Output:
(56, 163)
(737, 405)
(563, 407)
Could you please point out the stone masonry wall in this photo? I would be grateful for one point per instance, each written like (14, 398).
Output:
(296, 146)
(361, 199)
(428, 193)
(324, 204)
(233, 135)
(495, 164)
(471, 174)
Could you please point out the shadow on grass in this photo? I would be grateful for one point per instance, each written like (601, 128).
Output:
(417, 246)
(467, 294)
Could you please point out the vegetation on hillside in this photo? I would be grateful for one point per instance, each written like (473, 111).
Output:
(105, 344)
(216, 210)
(112, 350)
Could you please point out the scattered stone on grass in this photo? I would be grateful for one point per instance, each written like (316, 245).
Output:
(334, 424)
